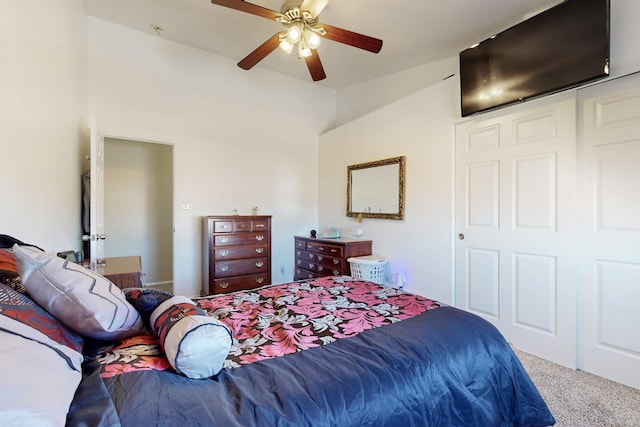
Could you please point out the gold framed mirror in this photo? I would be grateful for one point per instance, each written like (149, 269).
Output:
(376, 189)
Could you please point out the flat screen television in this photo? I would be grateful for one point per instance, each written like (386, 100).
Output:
(562, 47)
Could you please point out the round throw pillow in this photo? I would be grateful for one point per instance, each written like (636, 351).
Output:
(195, 344)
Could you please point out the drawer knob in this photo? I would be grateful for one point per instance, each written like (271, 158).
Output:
(299, 262)
(224, 253)
(224, 268)
(334, 251)
(260, 238)
(224, 239)
(311, 256)
(259, 250)
(320, 258)
(337, 272)
(336, 261)
(320, 268)
(311, 265)
(224, 285)
(259, 264)
(321, 248)
(259, 225)
(260, 280)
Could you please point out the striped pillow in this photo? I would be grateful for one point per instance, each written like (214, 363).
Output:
(80, 298)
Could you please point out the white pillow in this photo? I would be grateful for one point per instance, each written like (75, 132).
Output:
(38, 376)
(80, 298)
(195, 344)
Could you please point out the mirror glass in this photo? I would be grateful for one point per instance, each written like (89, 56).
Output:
(376, 189)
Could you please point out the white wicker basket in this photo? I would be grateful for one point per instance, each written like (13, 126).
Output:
(371, 268)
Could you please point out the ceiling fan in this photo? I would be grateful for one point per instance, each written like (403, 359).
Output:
(302, 28)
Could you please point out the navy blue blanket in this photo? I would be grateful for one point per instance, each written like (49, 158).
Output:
(445, 367)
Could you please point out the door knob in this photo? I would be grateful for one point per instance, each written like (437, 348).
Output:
(461, 236)
(86, 237)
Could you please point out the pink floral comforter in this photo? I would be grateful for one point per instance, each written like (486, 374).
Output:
(281, 319)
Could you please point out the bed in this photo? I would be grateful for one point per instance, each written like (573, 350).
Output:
(331, 351)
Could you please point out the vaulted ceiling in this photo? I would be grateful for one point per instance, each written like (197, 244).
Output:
(415, 32)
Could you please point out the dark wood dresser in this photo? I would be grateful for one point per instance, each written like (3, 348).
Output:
(236, 253)
(326, 257)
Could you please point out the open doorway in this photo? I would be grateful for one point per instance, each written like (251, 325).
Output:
(138, 206)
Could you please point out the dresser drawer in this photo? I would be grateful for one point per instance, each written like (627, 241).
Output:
(324, 248)
(302, 274)
(307, 265)
(259, 225)
(240, 225)
(223, 226)
(233, 284)
(239, 252)
(240, 239)
(330, 262)
(328, 271)
(305, 256)
(241, 267)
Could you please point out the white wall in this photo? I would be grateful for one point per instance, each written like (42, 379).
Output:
(42, 109)
(241, 139)
(419, 127)
(625, 19)
(357, 100)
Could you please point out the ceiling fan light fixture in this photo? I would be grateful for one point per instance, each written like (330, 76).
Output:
(286, 45)
(294, 33)
(313, 39)
(304, 51)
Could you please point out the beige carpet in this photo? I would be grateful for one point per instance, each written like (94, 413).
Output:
(580, 399)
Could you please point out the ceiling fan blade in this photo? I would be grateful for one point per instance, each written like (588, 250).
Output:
(254, 9)
(314, 6)
(352, 39)
(260, 53)
(315, 66)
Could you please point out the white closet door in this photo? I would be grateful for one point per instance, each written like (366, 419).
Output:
(609, 236)
(515, 224)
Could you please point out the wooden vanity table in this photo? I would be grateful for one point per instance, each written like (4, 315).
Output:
(124, 272)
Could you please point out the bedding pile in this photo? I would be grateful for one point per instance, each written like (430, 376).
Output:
(49, 307)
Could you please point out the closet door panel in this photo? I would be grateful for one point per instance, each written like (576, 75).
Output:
(609, 235)
(515, 224)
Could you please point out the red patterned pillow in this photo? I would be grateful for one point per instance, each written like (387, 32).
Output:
(8, 269)
(17, 306)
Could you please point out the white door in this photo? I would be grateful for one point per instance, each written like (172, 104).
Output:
(515, 224)
(96, 205)
(609, 237)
